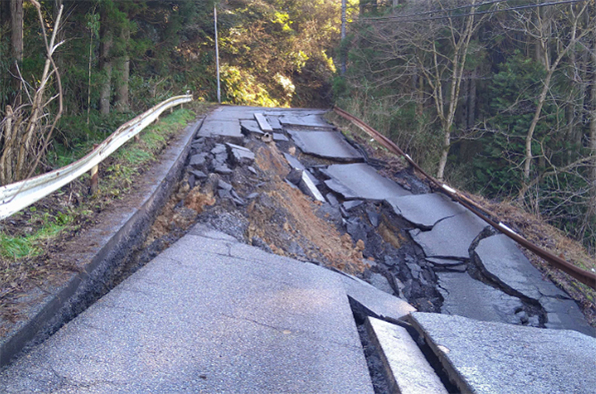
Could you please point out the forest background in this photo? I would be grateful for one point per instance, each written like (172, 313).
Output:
(494, 97)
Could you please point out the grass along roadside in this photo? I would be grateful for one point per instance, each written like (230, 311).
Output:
(28, 238)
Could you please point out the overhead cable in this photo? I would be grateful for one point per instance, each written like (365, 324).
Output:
(398, 18)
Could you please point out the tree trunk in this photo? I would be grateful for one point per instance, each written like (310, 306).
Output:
(459, 61)
(105, 64)
(591, 214)
(16, 38)
(472, 101)
(122, 100)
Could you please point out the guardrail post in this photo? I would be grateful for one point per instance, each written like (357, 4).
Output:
(94, 184)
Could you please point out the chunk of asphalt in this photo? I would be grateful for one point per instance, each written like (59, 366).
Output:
(219, 149)
(229, 129)
(295, 176)
(425, 210)
(224, 185)
(198, 160)
(262, 121)
(348, 205)
(315, 121)
(294, 162)
(406, 368)
(198, 174)
(240, 155)
(381, 283)
(373, 218)
(468, 297)
(356, 229)
(274, 122)
(224, 194)
(487, 357)
(250, 127)
(564, 314)
(327, 144)
(223, 170)
(279, 137)
(450, 238)
(500, 259)
(445, 263)
(379, 302)
(308, 187)
(332, 199)
(361, 181)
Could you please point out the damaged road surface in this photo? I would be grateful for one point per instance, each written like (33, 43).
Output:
(306, 266)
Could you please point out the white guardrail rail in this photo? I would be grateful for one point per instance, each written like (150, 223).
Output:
(19, 195)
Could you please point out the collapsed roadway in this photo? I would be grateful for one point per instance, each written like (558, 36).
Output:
(311, 266)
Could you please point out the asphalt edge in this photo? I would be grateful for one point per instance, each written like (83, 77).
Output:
(84, 287)
(452, 372)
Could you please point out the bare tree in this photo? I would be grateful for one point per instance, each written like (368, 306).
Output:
(555, 36)
(26, 130)
(429, 55)
(16, 37)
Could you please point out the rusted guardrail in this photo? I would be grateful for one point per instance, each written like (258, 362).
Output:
(19, 195)
(585, 277)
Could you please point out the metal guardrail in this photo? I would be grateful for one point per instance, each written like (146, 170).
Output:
(585, 277)
(19, 195)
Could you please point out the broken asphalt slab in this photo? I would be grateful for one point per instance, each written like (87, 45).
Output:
(467, 297)
(406, 368)
(361, 181)
(487, 357)
(499, 258)
(251, 323)
(326, 144)
(376, 301)
(305, 120)
(251, 126)
(424, 210)
(213, 127)
(450, 238)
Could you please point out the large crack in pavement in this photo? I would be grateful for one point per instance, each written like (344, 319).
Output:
(306, 192)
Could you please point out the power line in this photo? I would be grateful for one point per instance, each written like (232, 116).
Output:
(433, 11)
(398, 18)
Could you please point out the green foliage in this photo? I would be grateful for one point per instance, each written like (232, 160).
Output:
(18, 247)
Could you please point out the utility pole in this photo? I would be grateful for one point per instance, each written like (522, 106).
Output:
(217, 54)
(343, 36)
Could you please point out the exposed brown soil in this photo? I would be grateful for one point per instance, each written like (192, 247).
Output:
(289, 211)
